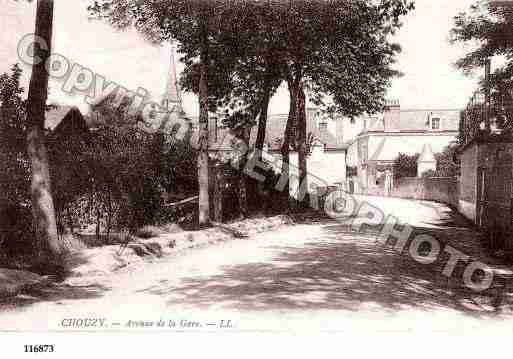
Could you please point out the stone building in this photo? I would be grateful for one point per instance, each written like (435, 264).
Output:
(379, 140)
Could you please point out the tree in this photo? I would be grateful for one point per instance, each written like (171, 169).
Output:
(241, 87)
(131, 168)
(42, 201)
(190, 23)
(405, 165)
(488, 26)
(489, 23)
(446, 165)
(351, 63)
(15, 176)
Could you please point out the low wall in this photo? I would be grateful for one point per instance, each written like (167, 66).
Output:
(439, 189)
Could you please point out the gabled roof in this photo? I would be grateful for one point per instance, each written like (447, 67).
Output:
(72, 123)
(427, 154)
(55, 116)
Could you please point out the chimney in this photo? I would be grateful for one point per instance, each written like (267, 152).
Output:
(392, 116)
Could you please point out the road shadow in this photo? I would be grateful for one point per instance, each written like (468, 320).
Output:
(344, 270)
(54, 290)
(54, 293)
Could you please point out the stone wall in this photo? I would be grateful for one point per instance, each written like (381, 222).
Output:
(486, 195)
(467, 202)
(439, 189)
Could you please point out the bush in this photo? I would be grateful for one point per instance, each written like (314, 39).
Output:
(147, 232)
(405, 165)
(16, 236)
(446, 165)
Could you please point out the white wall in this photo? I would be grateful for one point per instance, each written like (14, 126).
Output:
(325, 168)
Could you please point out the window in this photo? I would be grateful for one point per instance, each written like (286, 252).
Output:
(323, 127)
(435, 123)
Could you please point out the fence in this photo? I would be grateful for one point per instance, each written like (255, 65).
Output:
(484, 116)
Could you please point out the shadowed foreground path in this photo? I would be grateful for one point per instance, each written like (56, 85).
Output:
(313, 276)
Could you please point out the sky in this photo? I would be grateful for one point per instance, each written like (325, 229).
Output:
(430, 79)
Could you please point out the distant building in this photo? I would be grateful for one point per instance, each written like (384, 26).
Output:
(381, 138)
(328, 149)
(366, 146)
(56, 114)
(171, 103)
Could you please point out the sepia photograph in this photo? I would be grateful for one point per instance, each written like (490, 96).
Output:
(210, 168)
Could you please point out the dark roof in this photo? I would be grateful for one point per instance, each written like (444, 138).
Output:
(54, 116)
(275, 131)
(73, 122)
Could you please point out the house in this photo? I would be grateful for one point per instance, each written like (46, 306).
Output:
(381, 138)
(355, 154)
(328, 150)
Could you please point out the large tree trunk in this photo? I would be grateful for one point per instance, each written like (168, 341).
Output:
(283, 184)
(98, 222)
(217, 177)
(262, 118)
(204, 209)
(244, 180)
(302, 147)
(42, 201)
(252, 185)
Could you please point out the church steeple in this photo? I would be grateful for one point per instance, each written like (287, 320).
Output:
(172, 99)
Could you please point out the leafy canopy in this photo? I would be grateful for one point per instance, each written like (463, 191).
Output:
(340, 48)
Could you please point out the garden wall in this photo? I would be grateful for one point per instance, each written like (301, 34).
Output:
(439, 189)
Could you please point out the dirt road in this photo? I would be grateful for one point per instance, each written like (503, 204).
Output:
(311, 276)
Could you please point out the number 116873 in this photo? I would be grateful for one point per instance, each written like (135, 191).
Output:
(39, 348)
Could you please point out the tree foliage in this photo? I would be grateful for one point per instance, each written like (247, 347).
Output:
(15, 176)
(249, 48)
(405, 165)
(488, 26)
(446, 165)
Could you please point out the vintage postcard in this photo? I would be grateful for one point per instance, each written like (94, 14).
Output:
(217, 167)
